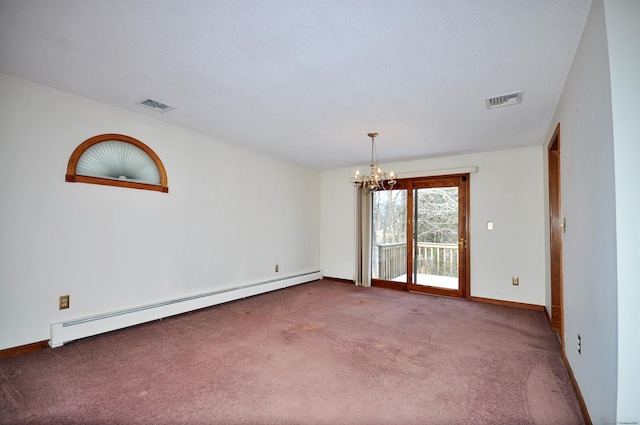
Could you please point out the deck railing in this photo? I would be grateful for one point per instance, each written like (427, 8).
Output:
(438, 259)
(391, 259)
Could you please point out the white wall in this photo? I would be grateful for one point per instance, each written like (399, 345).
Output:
(588, 203)
(508, 190)
(230, 215)
(623, 36)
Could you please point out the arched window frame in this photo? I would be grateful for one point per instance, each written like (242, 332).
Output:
(73, 177)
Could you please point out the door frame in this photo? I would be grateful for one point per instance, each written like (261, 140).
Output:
(556, 227)
(464, 256)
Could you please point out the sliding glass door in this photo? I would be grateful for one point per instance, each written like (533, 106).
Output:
(419, 236)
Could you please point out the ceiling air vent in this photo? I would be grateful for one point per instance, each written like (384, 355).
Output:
(504, 100)
(155, 105)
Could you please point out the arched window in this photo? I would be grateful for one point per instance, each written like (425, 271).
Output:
(117, 160)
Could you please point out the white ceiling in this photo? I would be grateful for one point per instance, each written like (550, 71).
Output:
(307, 80)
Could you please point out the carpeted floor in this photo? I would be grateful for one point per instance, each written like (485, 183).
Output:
(320, 353)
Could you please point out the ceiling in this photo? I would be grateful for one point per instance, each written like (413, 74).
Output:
(307, 80)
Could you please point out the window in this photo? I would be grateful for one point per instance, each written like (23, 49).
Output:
(117, 160)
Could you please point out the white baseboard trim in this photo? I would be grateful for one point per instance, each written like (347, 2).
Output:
(74, 329)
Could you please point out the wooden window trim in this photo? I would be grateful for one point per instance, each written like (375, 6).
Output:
(73, 177)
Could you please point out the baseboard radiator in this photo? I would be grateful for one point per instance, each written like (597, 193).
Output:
(71, 330)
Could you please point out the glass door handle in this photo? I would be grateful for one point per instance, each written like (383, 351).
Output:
(461, 244)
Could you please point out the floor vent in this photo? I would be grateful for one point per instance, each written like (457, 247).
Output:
(155, 105)
(504, 100)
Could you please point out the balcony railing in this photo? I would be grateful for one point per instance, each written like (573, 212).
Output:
(438, 259)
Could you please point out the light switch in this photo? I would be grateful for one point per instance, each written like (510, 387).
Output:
(489, 225)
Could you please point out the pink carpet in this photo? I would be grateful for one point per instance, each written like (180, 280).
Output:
(320, 353)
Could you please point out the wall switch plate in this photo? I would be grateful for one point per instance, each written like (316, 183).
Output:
(64, 302)
(515, 281)
(277, 268)
(489, 225)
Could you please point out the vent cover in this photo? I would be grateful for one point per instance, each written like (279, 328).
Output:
(504, 100)
(155, 105)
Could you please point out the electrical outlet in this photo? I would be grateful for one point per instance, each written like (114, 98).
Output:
(515, 281)
(579, 344)
(64, 302)
(277, 268)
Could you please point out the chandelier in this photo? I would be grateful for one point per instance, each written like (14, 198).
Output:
(377, 180)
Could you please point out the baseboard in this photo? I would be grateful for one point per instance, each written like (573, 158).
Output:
(23, 349)
(401, 286)
(83, 327)
(576, 389)
(508, 303)
(339, 279)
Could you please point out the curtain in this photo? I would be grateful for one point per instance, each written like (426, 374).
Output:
(363, 238)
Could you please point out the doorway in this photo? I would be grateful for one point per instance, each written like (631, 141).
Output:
(420, 236)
